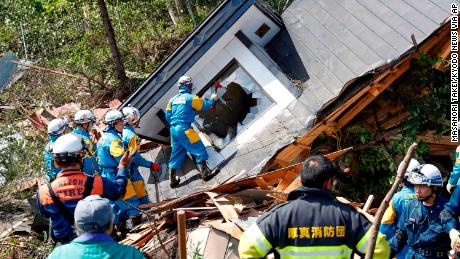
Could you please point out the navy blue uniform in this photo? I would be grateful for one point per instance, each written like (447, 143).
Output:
(312, 224)
(425, 232)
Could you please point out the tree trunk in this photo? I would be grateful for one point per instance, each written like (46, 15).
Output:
(125, 83)
(180, 7)
(191, 12)
(171, 12)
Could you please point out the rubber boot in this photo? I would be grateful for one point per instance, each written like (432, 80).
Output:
(173, 179)
(205, 171)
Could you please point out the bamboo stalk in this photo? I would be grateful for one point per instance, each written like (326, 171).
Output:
(384, 205)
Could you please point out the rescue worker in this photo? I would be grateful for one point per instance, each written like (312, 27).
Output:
(56, 128)
(398, 201)
(110, 150)
(57, 200)
(132, 118)
(452, 210)
(312, 224)
(420, 225)
(85, 120)
(455, 175)
(93, 221)
(180, 113)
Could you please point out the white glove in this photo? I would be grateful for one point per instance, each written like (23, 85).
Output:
(454, 238)
(450, 187)
(214, 96)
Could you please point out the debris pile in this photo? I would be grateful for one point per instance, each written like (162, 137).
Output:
(218, 216)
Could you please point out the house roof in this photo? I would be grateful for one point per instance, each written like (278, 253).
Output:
(191, 49)
(338, 41)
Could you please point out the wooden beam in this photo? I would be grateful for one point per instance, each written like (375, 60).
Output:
(287, 179)
(260, 181)
(182, 234)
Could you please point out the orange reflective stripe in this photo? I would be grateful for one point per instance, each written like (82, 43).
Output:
(192, 136)
(139, 187)
(130, 192)
(197, 103)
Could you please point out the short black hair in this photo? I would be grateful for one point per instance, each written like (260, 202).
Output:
(316, 170)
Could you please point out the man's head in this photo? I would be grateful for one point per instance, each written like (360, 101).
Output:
(93, 214)
(185, 84)
(426, 180)
(57, 127)
(84, 119)
(132, 116)
(114, 119)
(68, 151)
(318, 172)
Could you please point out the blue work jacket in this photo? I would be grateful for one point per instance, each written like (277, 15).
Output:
(90, 164)
(424, 230)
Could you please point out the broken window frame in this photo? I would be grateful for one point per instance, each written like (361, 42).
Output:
(203, 91)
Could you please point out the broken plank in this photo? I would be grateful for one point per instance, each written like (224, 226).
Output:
(229, 228)
(288, 178)
(337, 154)
(224, 206)
(196, 208)
(368, 203)
(260, 181)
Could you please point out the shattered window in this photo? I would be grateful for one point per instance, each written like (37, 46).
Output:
(240, 102)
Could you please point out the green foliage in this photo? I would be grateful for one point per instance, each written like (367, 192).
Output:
(69, 35)
(428, 98)
(24, 247)
(424, 93)
(20, 153)
(194, 252)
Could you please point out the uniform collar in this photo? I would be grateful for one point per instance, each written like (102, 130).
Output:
(128, 127)
(110, 129)
(183, 90)
(69, 172)
(302, 192)
(94, 238)
(81, 132)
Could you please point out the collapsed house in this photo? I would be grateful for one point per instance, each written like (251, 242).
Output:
(282, 81)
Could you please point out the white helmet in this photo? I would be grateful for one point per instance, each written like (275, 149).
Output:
(84, 116)
(184, 81)
(413, 165)
(68, 147)
(131, 114)
(113, 116)
(56, 127)
(428, 174)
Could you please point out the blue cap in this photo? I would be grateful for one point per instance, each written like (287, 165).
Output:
(93, 214)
